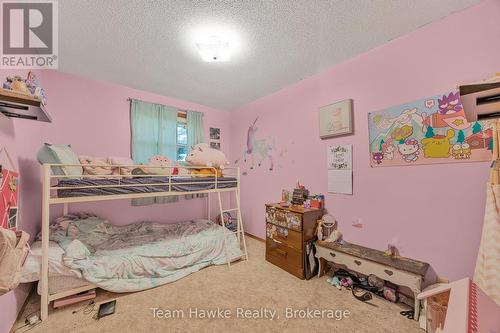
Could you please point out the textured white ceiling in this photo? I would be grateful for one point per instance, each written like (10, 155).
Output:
(149, 45)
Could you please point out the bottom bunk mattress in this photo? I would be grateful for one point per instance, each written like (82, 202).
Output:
(141, 255)
(140, 185)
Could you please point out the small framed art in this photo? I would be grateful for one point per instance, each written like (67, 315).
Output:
(336, 119)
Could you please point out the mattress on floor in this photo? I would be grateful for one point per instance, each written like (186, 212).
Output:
(58, 284)
(179, 184)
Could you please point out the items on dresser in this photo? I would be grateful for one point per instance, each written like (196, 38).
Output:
(325, 226)
(288, 229)
(398, 270)
(300, 194)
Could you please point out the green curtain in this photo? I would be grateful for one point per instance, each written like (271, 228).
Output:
(154, 132)
(195, 132)
(195, 135)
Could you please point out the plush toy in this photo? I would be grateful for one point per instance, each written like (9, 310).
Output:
(18, 84)
(35, 89)
(335, 236)
(154, 164)
(334, 281)
(205, 172)
(392, 251)
(375, 281)
(204, 156)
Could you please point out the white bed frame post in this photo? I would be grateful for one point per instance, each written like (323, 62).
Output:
(44, 275)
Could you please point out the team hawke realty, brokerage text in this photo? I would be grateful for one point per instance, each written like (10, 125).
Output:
(249, 313)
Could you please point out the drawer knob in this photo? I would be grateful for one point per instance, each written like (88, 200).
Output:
(333, 254)
(388, 272)
(357, 262)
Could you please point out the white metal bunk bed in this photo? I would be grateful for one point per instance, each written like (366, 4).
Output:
(150, 186)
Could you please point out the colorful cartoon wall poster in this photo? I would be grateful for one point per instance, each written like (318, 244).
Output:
(428, 131)
(9, 194)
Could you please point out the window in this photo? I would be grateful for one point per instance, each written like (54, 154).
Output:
(182, 141)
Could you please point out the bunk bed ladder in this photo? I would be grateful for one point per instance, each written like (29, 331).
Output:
(240, 233)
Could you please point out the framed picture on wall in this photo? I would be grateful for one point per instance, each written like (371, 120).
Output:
(214, 133)
(336, 119)
(215, 145)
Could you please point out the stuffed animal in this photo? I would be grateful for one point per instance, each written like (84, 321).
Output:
(334, 281)
(154, 164)
(346, 282)
(18, 84)
(205, 172)
(204, 156)
(35, 89)
(335, 236)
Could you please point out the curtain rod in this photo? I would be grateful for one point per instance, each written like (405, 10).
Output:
(129, 99)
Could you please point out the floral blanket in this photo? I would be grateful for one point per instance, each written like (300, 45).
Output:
(141, 255)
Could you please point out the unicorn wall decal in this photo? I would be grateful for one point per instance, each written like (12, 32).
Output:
(260, 149)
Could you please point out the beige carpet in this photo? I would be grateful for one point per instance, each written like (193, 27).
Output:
(252, 284)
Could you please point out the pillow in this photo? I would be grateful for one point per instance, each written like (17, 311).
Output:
(119, 161)
(32, 266)
(60, 154)
(99, 166)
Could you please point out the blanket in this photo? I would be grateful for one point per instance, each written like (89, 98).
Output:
(141, 255)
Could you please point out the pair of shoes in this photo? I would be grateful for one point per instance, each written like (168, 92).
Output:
(364, 297)
(408, 314)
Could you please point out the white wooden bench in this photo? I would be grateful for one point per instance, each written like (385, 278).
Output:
(398, 270)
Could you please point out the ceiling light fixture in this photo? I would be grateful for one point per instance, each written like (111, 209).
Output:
(214, 50)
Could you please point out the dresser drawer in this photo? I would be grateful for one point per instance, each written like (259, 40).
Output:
(284, 236)
(286, 255)
(284, 218)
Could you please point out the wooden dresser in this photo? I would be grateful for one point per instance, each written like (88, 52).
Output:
(287, 230)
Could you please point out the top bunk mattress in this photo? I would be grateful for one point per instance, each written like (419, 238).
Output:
(140, 185)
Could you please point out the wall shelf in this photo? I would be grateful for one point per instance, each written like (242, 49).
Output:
(18, 105)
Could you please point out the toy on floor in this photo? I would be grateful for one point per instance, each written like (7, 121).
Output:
(204, 156)
(346, 282)
(334, 281)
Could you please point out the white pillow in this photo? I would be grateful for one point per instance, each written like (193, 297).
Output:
(33, 263)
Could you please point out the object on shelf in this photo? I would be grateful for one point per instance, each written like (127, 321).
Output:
(24, 106)
(30, 87)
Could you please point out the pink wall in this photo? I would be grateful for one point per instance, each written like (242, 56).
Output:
(94, 118)
(440, 219)
(18, 136)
